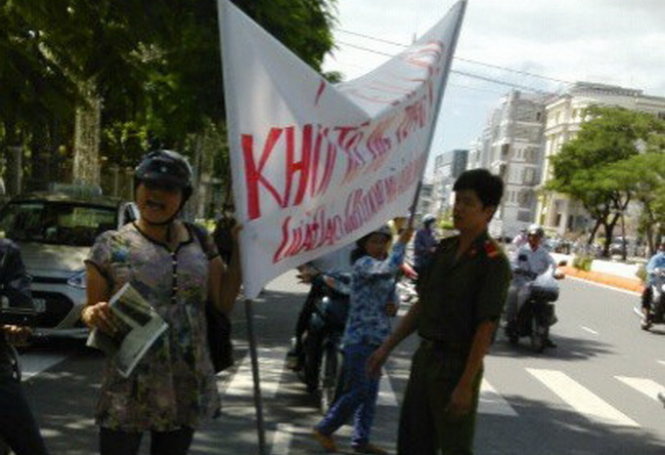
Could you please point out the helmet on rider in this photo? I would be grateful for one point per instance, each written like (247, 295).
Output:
(428, 218)
(165, 168)
(537, 230)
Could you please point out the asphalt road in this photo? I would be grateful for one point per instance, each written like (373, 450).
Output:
(595, 393)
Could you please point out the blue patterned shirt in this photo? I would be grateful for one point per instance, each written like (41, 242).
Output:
(372, 288)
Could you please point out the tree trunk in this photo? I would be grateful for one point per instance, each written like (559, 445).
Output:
(592, 235)
(609, 232)
(87, 138)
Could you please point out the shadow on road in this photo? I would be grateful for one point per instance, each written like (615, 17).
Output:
(558, 431)
(568, 348)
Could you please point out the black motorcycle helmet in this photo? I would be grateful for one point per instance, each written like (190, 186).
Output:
(166, 168)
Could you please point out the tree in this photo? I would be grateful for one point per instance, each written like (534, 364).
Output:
(583, 169)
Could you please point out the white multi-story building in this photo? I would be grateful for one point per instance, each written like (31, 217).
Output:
(564, 113)
(511, 146)
(447, 167)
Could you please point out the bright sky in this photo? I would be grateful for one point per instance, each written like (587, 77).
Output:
(619, 42)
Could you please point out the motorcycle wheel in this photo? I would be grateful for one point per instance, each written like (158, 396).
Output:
(329, 377)
(539, 334)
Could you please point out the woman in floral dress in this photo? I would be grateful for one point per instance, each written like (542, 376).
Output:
(173, 387)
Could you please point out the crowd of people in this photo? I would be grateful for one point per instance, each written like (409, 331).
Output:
(463, 283)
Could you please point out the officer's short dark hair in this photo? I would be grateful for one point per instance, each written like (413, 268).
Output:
(487, 186)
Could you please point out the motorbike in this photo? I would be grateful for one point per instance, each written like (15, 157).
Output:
(321, 355)
(656, 313)
(536, 315)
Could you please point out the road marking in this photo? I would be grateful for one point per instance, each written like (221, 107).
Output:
(662, 362)
(386, 393)
(271, 366)
(587, 329)
(645, 386)
(580, 398)
(281, 441)
(491, 402)
(32, 363)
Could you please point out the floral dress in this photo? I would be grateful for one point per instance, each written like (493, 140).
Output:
(174, 384)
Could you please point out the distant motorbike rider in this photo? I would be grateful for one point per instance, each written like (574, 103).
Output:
(530, 260)
(657, 261)
(424, 244)
(18, 427)
(335, 262)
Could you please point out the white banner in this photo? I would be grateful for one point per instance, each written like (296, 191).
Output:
(316, 165)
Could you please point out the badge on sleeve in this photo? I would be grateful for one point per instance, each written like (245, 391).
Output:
(491, 249)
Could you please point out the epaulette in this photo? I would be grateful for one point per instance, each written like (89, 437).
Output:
(492, 249)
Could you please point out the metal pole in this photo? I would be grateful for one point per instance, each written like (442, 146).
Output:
(258, 401)
(449, 59)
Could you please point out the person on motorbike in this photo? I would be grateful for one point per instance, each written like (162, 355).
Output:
(18, 427)
(424, 243)
(335, 262)
(657, 261)
(530, 260)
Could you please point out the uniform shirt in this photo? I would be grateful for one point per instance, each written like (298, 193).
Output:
(174, 384)
(535, 261)
(372, 287)
(457, 295)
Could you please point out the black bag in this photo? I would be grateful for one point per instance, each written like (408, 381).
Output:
(218, 324)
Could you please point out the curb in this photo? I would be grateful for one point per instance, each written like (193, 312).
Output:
(608, 279)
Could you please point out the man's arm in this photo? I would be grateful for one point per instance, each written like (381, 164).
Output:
(406, 327)
(462, 397)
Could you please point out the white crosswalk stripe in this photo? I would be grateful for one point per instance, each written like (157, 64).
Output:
(386, 393)
(271, 367)
(581, 399)
(281, 442)
(647, 387)
(491, 402)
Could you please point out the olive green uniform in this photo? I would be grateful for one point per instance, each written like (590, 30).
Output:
(455, 297)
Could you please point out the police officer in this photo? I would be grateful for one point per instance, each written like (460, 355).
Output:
(18, 427)
(462, 294)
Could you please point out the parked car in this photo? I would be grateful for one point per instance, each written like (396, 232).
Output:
(55, 232)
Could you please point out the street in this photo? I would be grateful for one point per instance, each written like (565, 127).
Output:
(595, 393)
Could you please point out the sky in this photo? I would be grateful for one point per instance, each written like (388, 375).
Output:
(617, 42)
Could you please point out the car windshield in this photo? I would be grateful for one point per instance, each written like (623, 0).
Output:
(58, 223)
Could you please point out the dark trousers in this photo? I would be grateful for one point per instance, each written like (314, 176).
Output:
(115, 442)
(18, 427)
(424, 427)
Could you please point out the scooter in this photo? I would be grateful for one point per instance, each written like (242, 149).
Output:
(322, 358)
(536, 316)
(656, 313)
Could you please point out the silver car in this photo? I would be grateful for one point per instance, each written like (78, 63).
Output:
(55, 232)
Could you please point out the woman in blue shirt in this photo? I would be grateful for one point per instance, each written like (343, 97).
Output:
(372, 295)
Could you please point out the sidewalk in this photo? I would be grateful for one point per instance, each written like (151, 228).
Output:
(601, 272)
(628, 284)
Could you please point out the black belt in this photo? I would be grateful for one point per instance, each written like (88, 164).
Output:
(440, 345)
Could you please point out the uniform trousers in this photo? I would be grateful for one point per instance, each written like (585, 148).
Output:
(425, 428)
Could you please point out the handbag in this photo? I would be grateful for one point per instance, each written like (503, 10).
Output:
(218, 323)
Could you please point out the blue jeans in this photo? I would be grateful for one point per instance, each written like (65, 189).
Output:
(358, 398)
(18, 426)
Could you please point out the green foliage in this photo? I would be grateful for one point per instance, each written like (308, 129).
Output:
(156, 66)
(582, 262)
(595, 166)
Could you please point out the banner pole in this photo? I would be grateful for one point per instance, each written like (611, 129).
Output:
(449, 59)
(258, 400)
